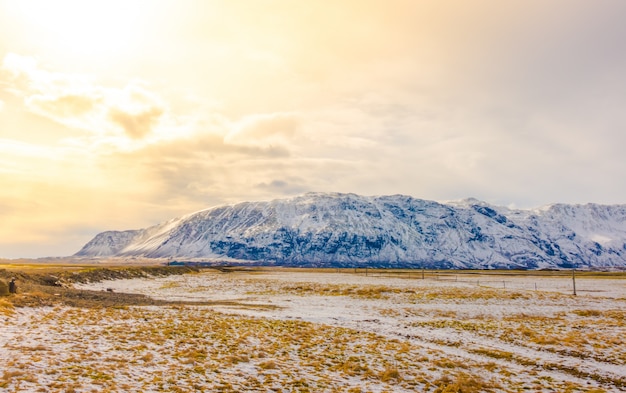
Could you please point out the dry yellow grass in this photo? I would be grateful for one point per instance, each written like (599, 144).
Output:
(6, 307)
(196, 347)
(192, 348)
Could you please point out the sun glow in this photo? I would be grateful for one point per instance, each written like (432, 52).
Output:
(93, 28)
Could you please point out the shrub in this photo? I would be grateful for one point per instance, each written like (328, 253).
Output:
(389, 373)
(4, 288)
(6, 307)
(268, 365)
(464, 383)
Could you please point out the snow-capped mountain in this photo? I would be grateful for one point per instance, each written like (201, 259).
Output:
(330, 229)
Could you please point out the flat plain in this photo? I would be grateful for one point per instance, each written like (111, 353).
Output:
(297, 330)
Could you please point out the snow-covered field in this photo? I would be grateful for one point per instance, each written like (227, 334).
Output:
(291, 331)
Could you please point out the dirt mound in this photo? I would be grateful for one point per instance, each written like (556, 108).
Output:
(102, 274)
(55, 287)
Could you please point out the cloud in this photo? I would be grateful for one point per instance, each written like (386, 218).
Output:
(264, 129)
(77, 101)
(136, 125)
(283, 187)
(47, 190)
(136, 110)
(17, 66)
(63, 106)
(200, 167)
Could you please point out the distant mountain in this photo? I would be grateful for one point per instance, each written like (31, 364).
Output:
(330, 229)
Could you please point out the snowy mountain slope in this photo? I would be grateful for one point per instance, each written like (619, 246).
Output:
(329, 229)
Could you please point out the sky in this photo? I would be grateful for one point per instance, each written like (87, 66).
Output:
(121, 114)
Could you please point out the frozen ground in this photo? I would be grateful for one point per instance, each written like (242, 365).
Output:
(321, 331)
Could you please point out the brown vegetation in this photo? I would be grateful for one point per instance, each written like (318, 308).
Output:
(52, 286)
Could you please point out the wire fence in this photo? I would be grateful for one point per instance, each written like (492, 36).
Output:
(566, 282)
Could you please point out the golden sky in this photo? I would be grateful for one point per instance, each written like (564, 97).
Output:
(120, 114)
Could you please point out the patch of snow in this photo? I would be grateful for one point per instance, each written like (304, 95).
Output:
(407, 310)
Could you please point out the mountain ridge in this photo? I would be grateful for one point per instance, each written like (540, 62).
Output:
(341, 230)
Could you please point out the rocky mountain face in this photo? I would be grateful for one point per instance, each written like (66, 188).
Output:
(340, 230)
